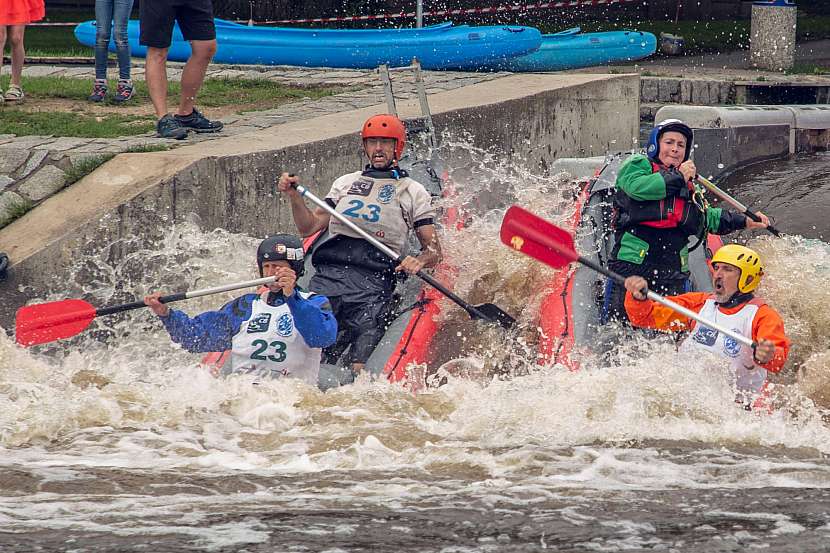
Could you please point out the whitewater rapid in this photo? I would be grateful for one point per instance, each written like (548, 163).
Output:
(120, 440)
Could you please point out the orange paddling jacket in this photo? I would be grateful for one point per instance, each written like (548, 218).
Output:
(766, 323)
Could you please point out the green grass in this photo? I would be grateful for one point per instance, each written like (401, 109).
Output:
(214, 92)
(264, 93)
(808, 69)
(85, 166)
(59, 41)
(16, 211)
(708, 36)
(23, 123)
(54, 42)
(147, 148)
(250, 94)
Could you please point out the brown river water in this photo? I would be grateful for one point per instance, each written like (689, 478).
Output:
(119, 441)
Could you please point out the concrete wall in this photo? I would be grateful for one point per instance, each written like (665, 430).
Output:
(721, 151)
(131, 201)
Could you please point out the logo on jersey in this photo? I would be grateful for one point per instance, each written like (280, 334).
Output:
(704, 335)
(386, 193)
(361, 187)
(285, 325)
(259, 323)
(731, 347)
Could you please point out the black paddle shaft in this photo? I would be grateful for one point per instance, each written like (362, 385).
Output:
(485, 311)
(600, 269)
(138, 304)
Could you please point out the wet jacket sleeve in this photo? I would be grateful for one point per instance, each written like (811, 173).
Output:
(721, 221)
(210, 331)
(767, 325)
(649, 314)
(637, 179)
(313, 319)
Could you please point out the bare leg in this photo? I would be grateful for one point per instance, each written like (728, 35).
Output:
(357, 368)
(18, 52)
(194, 73)
(2, 45)
(155, 74)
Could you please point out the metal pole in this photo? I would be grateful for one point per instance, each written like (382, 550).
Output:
(419, 13)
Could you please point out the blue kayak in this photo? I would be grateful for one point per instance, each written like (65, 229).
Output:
(573, 49)
(443, 46)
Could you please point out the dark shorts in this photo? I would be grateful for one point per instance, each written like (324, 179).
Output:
(360, 326)
(195, 19)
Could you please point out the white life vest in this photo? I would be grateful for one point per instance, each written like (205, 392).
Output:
(380, 207)
(269, 345)
(749, 376)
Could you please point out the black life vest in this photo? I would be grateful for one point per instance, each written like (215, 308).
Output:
(672, 212)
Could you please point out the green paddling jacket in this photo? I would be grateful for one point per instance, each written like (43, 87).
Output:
(655, 213)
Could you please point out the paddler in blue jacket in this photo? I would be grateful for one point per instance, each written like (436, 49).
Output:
(276, 333)
(657, 208)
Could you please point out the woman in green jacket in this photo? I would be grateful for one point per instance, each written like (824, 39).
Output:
(657, 208)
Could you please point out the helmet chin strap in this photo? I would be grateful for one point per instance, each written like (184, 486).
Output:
(736, 299)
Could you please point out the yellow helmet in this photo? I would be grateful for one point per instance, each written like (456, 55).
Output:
(748, 261)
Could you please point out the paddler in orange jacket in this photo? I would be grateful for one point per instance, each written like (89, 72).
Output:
(737, 271)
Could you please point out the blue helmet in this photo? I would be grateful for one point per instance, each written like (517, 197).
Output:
(676, 125)
(281, 247)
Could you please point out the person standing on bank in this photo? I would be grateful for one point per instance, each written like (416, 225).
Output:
(276, 333)
(111, 17)
(657, 208)
(14, 16)
(356, 277)
(195, 19)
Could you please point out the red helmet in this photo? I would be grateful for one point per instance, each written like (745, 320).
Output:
(385, 126)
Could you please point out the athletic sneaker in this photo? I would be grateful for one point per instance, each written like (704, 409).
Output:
(124, 91)
(99, 90)
(168, 127)
(199, 122)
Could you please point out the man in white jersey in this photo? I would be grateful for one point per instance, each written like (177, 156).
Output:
(279, 332)
(737, 271)
(357, 278)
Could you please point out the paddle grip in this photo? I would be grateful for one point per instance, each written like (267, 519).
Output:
(138, 304)
(757, 218)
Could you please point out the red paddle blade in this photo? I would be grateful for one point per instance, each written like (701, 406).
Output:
(540, 239)
(47, 322)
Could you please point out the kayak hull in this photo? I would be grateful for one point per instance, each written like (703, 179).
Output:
(442, 46)
(573, 49)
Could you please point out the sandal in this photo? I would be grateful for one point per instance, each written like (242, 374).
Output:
(14, 94)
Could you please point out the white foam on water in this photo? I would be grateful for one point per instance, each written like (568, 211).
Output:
(136, 405)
